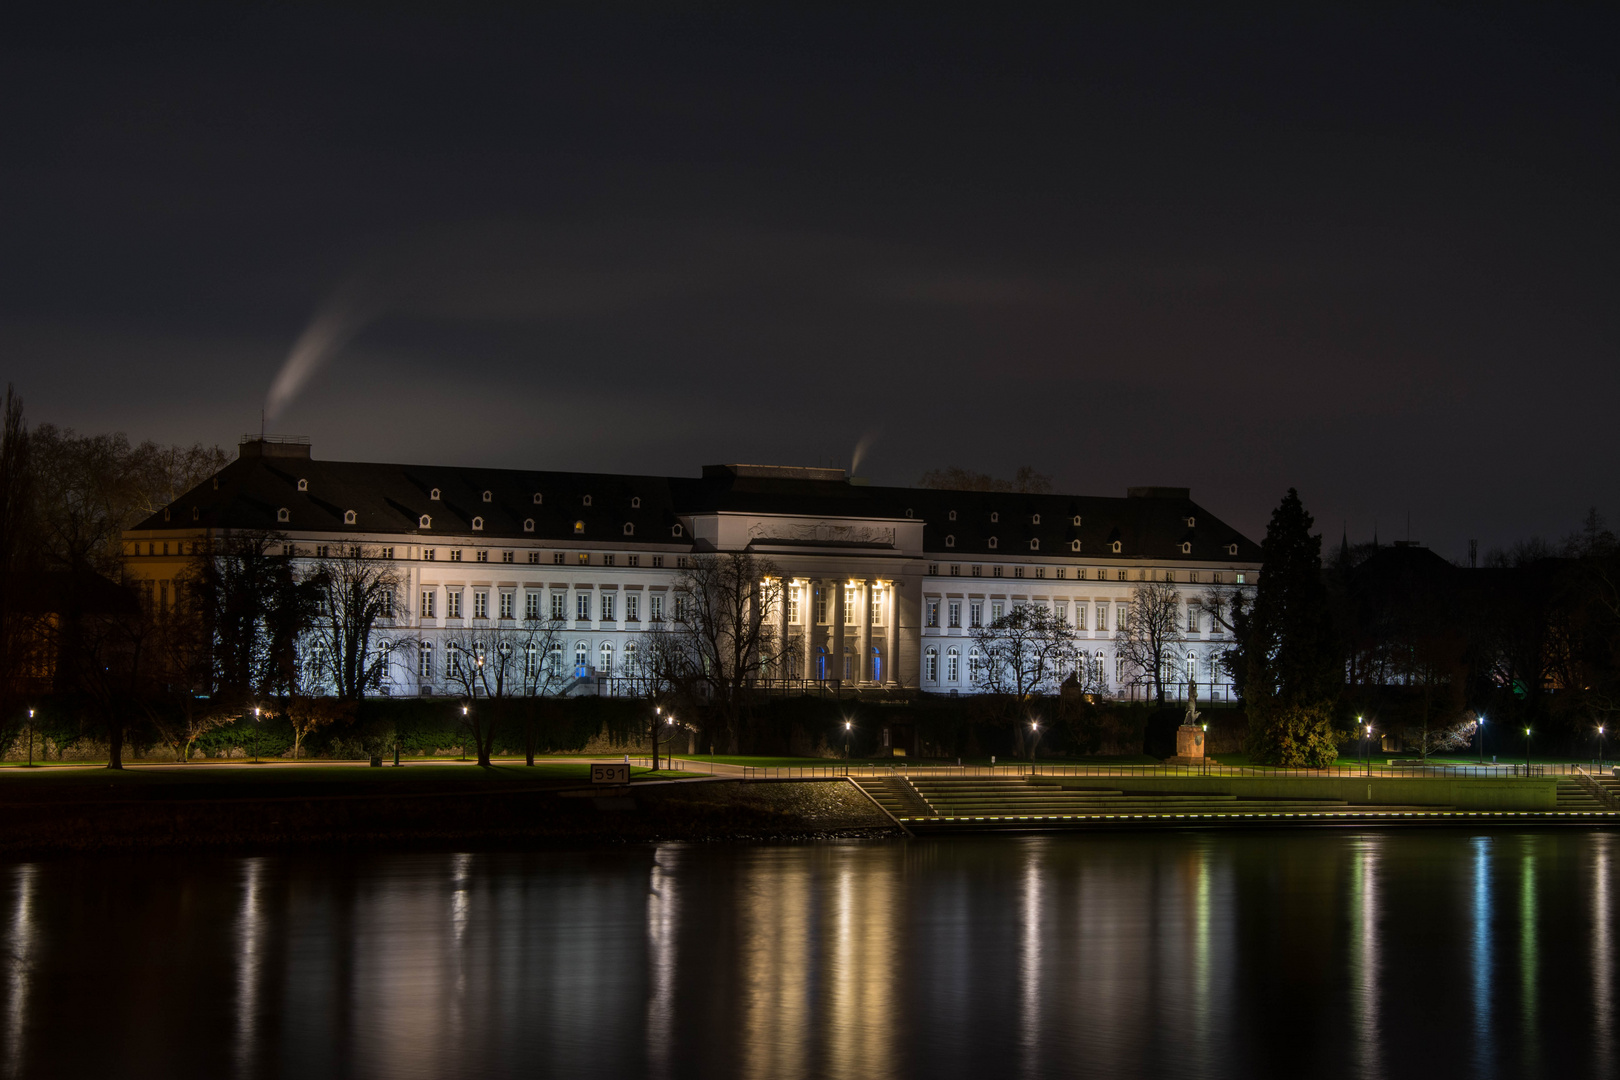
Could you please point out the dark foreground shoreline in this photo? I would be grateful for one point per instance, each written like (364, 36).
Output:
(179, 818)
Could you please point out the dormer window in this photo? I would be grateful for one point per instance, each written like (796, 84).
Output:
(196, 513)
(1192, 522)
(635, 502)
(281, 515)
(1115, 547)
(950, 541)
(994, 517)
(303, 485)
(579, 528)
(434, 495)
(908, 511)
(992, 543)
(951, 516)
(478, 524)
(1074, 545)
(1077, 521)
(424, 522)
(1231, 549)
(1035, 519)
(166, 513)
(528, 524)
(1034, 545)
(587, 500)
(349, 517)
(1186, 549)
(489, 496)
(629, 529)
(538, 498)
(675, 531)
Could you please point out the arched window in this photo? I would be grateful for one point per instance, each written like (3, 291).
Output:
(1115, 546)
(555, 658)
(1035, 519)
(579, 527)
(538, 498)
(951, 515)
(423, 522)
(629, 658)
(994, 517)
(877, 664)
(587, 500)
(635, 502)
(348, 517)
(489, 496)
(283, 516)
(1074, 545)
(992, 542)
(1077, 520)
(975, 664)
(1192, 665)
(675, 531)
(629, 529)
(953, 662)
(434, 495)
(950, 541)
(303, 485)
(1186, 549)
(1034, 545)
(931, 664)
(849, 663)
(478, 524)
(606, 666)
(528, 524)
(821, 663)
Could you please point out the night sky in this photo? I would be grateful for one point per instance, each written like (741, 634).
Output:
(1372, 256)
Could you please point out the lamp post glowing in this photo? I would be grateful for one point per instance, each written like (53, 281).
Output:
(464, 741)
(1600, 742)
(1034, 737)
(31, 736)
(1361, 732)
(1479, 734)
(1367, 758)
(1527, 751)
(255, 734)
(847, 736)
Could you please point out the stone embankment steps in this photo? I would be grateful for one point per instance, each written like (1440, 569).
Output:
(896, 795)
(1574, 795)
(957, 804)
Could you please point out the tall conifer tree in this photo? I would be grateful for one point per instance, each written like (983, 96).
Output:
(1294, 671)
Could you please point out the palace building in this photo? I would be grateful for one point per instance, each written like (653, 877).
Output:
(884, 584)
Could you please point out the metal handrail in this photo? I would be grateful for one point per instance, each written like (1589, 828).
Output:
(1028, 770)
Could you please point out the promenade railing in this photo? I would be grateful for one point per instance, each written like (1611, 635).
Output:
(1038, 769)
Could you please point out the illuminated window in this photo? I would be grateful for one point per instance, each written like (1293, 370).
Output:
(424, 660)
(932, 611)
(953, 660)
(931, 664)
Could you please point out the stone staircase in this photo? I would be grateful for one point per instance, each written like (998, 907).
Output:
(963, 803)
(897, 795)
(1575, 795)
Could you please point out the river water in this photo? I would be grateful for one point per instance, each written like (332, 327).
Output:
(1226, 954)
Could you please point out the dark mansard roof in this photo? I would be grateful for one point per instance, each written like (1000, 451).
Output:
(1150, 523)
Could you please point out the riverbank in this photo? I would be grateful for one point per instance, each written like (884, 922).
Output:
(246, 809)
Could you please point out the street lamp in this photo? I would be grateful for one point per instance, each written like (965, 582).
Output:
(464, 741)
(847, 736)
(255, 734)
(1527, 751)
(1600, 743)
(1366, 767)
(1479, 733)
(1034, 737)
(1363, 741)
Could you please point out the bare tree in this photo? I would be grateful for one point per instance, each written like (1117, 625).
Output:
(720, 640)
(490, 660)
(1023, 654)
(309, 714)
(357, 598)
(1151, 629)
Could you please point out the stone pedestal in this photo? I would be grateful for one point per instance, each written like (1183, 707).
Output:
(1189, 745)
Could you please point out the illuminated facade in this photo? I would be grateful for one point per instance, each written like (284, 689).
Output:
(884, 585)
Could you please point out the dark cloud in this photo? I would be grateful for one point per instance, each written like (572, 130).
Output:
(1367, 254)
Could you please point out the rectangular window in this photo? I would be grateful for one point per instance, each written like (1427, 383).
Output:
(954, 613)
(482, 556)
(430, 554)
(1079, 616)
(607, 607)
(976, 614)
(452, 605)
(427, 603)
(849, 605)
(388, 604)
(1060, 572)
(506, 556)
(584, 559)
(658, 562)
(1018, 571)
(607, 560)
(1240, 579)
(1192, 619)
(632, 560)
(680, 562)
(821, 606)
(1119, 616)
(996, 608)
(455, 556)
(531, 605)
(534, 558)
(655, 607)
(1060, 612)
(932, 611)
(385, 553)
(1121, 575)
(559, 605)
(683, 605)
(632, 607)
(877, 607)
(424, 661)
(793, 605)
(933, 569)
(582, 605)
(506, 605)
(956, 570)
(480, 604)
(995, 571)
(558, 558)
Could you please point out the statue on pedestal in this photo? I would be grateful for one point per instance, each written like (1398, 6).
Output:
(1190, 735)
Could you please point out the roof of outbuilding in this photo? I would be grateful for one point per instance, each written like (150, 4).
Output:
(387, 498)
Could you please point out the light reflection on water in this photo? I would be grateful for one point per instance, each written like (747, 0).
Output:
(1176, 954)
